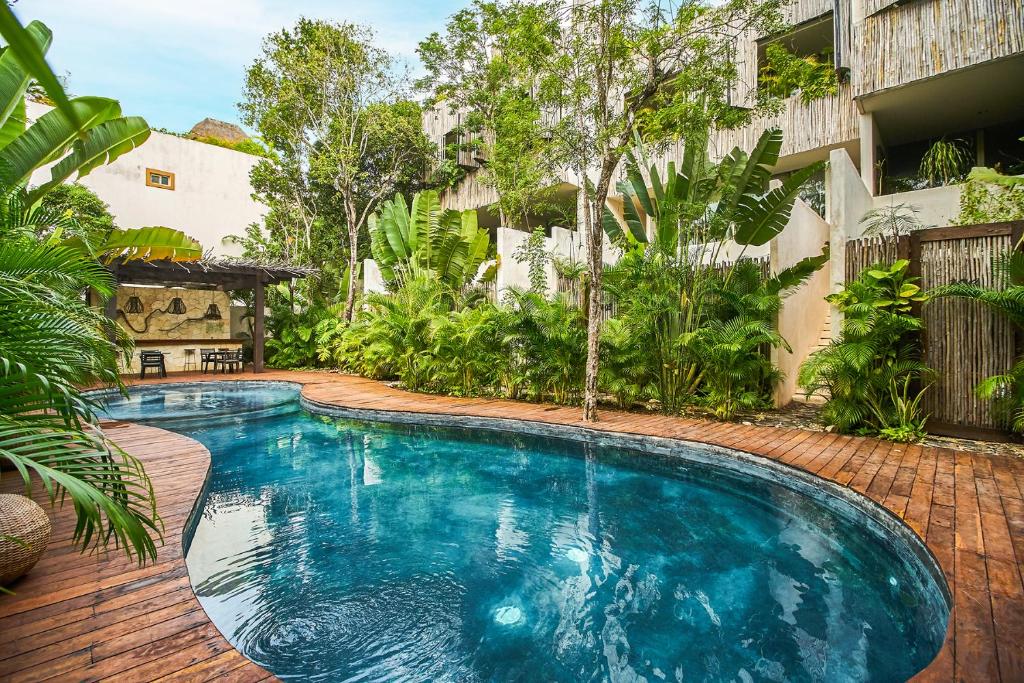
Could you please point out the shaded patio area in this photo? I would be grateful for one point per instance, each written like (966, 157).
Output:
(192, 301)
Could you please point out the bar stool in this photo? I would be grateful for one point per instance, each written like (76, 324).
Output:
(190, 361)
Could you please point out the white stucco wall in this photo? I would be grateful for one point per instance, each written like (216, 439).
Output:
(846, 201)
(373, 281)
(211, 199)
(511, 273)
(804, 310)
(937, 206)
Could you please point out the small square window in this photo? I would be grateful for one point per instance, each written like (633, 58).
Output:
(162, 179)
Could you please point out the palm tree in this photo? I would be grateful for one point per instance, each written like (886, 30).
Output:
(52, 342)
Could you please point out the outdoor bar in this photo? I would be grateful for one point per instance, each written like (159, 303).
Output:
(186, 310)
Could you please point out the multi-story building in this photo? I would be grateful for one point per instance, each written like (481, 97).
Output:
(911, 72)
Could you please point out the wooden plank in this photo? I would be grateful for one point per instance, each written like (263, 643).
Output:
(968, 508)
(85, 616)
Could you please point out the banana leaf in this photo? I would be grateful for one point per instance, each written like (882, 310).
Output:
(103, 144)
(14, 79)
(50, 136)
(24, 43)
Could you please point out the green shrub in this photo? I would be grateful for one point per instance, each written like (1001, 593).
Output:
(246, 146)
(990, 197)
(784, 73)
(867, 374)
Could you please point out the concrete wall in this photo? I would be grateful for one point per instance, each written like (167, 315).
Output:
(937, 206)
(730, 252)
(373, 281)
(847, 199)
(804, 311)
(211, 200)
(511, 273)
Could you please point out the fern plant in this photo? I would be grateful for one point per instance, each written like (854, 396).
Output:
(878, 349)
(892, 221)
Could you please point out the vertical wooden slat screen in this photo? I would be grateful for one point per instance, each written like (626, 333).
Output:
(868, 251)
(964, 341)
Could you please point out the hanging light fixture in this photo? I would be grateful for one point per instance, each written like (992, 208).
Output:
(177, 306)
(133, 305)
(212, 312)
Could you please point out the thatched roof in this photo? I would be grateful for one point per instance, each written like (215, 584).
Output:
(213, 128)
(228, 273)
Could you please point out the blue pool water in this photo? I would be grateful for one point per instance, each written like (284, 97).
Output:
(332, 549)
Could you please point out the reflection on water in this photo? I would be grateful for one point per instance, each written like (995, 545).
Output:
(341, 550)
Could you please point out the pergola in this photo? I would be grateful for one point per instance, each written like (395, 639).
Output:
(220, 273)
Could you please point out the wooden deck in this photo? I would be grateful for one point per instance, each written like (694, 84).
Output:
(89, 617)
(100, 616)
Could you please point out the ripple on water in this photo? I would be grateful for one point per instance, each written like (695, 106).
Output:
(340, 550)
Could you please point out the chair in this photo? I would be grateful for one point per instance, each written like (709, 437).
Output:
(151, 359)
(206, 357)
(190, 360)
(230, 361)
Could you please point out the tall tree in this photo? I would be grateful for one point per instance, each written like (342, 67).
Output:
(334, 108)
(487, 66)
(628, 66)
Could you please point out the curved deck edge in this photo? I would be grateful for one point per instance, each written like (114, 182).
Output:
(95, 616)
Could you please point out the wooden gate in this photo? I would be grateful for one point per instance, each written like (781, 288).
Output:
(964, 342)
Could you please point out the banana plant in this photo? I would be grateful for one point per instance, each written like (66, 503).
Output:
(705, 203)
(75, 138)
(53, 341)
(447, 242)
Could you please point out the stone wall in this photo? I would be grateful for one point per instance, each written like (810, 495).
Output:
(171, 333)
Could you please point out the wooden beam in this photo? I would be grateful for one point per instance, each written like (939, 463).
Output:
(258, 330)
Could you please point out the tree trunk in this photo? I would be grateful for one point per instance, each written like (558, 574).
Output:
(594, 305)
(595, 262)
(353, 260)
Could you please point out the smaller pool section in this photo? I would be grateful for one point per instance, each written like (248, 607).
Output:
(342, 550)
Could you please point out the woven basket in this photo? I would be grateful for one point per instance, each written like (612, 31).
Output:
(22, 519)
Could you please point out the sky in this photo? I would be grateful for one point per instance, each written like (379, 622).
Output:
(176, 62)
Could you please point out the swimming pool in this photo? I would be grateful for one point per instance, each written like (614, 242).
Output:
(337, 549)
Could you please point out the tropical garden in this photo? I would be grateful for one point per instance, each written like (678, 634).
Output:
(673, 325)
(55, 343)
(348, 174)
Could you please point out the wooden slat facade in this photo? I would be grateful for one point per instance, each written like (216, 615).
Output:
(963, 341)
(804, 10)
(897, 44)
(89, 617)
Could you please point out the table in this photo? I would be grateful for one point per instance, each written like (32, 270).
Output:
(221, 358)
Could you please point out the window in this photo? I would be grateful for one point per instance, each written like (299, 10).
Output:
(162, 179)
